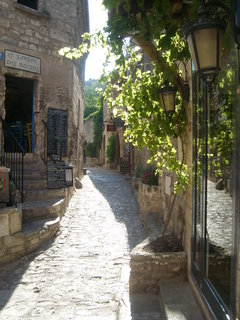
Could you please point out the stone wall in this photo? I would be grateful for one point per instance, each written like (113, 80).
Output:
(158, 199)
(14, 246)
(76, 134)
(91, 162)
(149, 268)
(140, 158)
(177, 219)
(89, 130)
(188, 208)
(149, 199)
(40, 34)
(10, 221)
(45, 30)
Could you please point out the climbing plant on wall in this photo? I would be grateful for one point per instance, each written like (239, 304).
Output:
(130, 89)
(111, 149)
(93, 149)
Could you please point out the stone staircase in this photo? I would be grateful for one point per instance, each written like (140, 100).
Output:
(25, 227)
(39, 202)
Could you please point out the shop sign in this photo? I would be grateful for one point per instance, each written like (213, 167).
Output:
(21, 61)
(111, 127)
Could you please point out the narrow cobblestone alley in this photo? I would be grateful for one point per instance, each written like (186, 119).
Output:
(82, 273)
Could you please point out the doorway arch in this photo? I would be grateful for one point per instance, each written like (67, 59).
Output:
(19, 107)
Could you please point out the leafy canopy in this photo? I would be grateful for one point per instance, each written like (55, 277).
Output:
(92, 99)
(131, 88)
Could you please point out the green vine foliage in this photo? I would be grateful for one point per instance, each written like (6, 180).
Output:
(132, 90)
(93, 109)
(111, 149)
(136, 101)
(93, 149)
(92, 99)
(222, 138)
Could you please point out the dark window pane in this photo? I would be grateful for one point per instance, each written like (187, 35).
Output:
(29, 3)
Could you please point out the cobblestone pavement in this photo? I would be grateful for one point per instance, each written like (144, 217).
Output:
(83, 272)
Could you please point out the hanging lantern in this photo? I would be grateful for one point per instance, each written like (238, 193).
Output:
(205, 39)
(167, 97)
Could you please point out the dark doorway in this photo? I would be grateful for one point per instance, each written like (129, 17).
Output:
(19, 110)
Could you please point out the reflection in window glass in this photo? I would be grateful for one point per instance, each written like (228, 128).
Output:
(219, 190)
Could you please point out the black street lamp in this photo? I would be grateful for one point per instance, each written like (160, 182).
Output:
(167, 97)
(205, 36)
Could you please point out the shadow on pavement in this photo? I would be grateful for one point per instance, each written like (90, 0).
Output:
(117, 190)
(12, 279)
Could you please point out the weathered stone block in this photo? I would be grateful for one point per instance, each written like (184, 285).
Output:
(31, 248)
(4, 224)
(14, 240)
(149, 199)
(149, 268)
(2, 252)
(15, 221)
(33, 241)
(17, 249)
(5, 259)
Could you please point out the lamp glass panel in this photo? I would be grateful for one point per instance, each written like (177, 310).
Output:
(206, 45)
(161, 101)
(69, 176)
(192, 50)
(169, 100)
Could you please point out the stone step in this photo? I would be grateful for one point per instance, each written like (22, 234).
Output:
(36, 233)
(179, 301)
(33, 235)
(34, 167)
(43, 209)
(42, 194)
(37, 175)
(30, 158)
(35, 184)
(141, 307)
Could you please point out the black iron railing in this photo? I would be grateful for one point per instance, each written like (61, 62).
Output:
(11, 156)
(56, 144)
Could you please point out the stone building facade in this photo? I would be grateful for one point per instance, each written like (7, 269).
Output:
(41, 118)
(34, 78)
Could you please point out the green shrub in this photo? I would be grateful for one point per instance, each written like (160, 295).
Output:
(111, 149)
(150, 178)
(91, 150)
(139, 172)
(147, 175)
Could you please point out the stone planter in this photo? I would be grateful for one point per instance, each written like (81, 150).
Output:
(148, 268)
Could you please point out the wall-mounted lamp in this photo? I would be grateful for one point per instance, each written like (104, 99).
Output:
(205, 36)
(167, 97)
